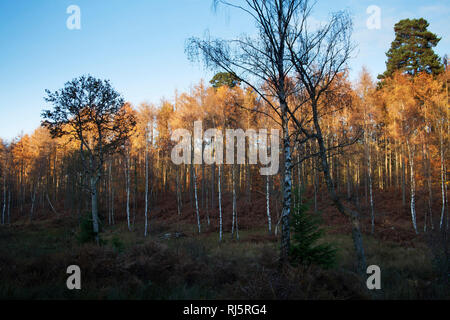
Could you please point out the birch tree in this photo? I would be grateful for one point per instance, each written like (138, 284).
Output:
(319, 57)
(126, 163)
(365, 89)
(407, 119)
(262, 63)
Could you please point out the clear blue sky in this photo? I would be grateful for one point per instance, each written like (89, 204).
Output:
(139, 45)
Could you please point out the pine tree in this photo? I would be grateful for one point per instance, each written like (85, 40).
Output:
(412, 50)
(224, 79)
(306, 232)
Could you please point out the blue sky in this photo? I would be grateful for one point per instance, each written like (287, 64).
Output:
(139, 46)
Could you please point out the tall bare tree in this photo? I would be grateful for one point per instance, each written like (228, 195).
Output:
(288, 59)
(319, 57)
(262, 63)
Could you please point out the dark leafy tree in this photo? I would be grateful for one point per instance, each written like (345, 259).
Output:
(90, 111)
(412, 50)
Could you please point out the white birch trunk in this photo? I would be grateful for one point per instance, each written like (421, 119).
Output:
(220, 204)
(235, 228)
(179, 202)
(94, 198)
(9, 207)
(369, 176)
(127, 186)
(441, 224)
(287, 194)
(146, 184)
(110, 192)
(413, 186)
(4, 198)
(196, 200)
(269, 219)
(207, 207)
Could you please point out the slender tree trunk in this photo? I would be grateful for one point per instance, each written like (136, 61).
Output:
(429, 185)
(51, 205)
(135, 191)
(269, 219)
(404, 173)
(366, 189)
(21, 191)
(316, 187)
(353, 215)
(220, 204)
(111, 200)
(235, 228)
(4, 197)
(213, 183)
(113, 191)
(178, 191)
(446, 199)
(287, 190)
(207, 207)
(9, 207)
(358, 185)
(369, 176)
(349, 182)
(443, 182)
(413, 185)
(127, 187)
(146, 185)
(191, 178)
(95, 222)
(300, 183)
(33, 198)
(397, 176)
(203, 179)
(386, 163)
(196, 200)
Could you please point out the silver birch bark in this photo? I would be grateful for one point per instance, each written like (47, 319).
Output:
(4, 197)
(95, 223)
(369, 176)
(413, 185)
(441, 223)
(430, 191)
(403, 168)
(269, 219)
(287, 189)
(235, 227)
(9, 206)
(146, 183)
(110, 192)
(207, 207)
(178, 191)
(127, 187)
(196, 199)
(220, 204)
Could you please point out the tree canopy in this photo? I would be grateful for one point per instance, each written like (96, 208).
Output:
(224, 79)
(412, 50)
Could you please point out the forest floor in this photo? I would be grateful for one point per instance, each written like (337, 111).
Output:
(34, 257)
